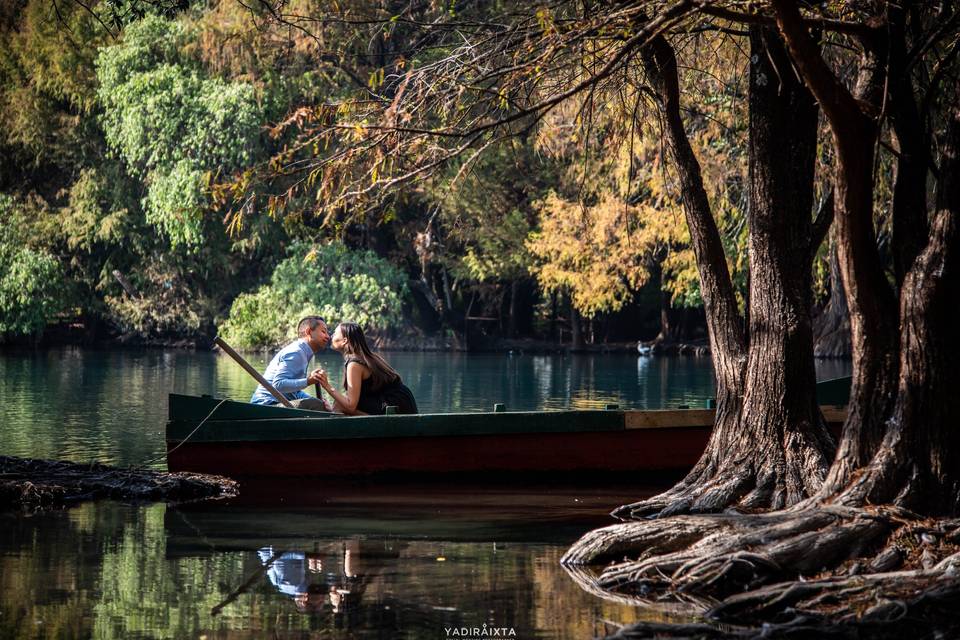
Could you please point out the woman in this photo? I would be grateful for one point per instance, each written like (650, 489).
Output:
(370, 384)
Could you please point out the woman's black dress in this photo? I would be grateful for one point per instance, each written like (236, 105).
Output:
(375, 401)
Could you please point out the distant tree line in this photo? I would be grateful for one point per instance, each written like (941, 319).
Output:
(162, 159)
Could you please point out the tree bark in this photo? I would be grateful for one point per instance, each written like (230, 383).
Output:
(724, 322)
(870, 299)
(781, 421)
(703, 489)
(858, 538)
(892, 498)
(902, 424)
(769, 448)
(909, 206)
(916, 465)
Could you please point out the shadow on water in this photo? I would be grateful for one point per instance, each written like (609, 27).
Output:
(292, 512)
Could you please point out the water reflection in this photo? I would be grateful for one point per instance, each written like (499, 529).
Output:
(312, 584)
(397, 562)
(341, 566)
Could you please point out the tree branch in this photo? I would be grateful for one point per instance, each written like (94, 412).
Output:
(825, 24)
(835, 99)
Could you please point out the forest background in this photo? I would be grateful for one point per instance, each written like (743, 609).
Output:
(127, 128)
(227, 166)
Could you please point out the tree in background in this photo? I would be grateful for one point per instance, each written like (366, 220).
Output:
(329, 280)
(171, 125)
(168, 96)
(100, 158)
(483, 215)
(31, 280)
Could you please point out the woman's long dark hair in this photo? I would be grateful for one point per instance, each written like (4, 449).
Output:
(356, 349)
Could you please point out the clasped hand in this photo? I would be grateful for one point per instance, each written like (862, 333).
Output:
(318, 376)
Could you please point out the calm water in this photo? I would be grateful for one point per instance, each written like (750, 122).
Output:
(305, 559)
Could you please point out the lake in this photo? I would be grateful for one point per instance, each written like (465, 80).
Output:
(307, 559)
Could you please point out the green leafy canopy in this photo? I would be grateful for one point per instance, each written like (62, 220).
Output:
(329, 280)
(172, 124)
(31, 280)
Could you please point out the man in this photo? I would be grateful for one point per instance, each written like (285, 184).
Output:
(287, 372)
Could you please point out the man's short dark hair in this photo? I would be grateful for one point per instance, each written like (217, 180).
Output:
(308, 324)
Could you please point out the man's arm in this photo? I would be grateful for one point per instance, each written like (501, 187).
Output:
(290, 365)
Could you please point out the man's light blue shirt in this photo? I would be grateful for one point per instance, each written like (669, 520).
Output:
(287, 372)
(288, 573)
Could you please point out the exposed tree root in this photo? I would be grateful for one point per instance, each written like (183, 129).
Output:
(895, 606)
(834, 570)
(781, 471)
(681, 606)
(695, 494)
(37, 484)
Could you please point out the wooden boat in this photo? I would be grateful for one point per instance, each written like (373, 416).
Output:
(241, 440)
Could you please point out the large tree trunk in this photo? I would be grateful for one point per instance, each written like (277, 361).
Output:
(833, 557)
(769, 448)
(909, 206)
(702, 489)
(724, 322)
(756, 563)
(870, 299)
(917, 465)
(781, 424)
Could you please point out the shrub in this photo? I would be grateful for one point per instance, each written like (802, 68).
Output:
(32, 282)
(328, 280)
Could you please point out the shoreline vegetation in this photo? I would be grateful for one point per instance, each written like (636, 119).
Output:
(30, 485)
(780, 179)
(77, 335)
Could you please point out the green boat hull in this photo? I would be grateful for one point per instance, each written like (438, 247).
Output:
(238, 439)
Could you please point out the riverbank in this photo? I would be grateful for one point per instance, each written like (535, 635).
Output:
(30, 484)
(412, 341)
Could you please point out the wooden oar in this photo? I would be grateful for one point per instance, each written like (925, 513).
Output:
(256, 374)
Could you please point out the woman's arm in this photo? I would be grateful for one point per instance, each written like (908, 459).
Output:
(347, 402)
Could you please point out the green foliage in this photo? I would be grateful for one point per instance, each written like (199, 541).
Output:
(48, 83)
(174, 203)
(93, 216)
(257, 320)
(31, 280)
(172, 124)
(485, 213)
(118, 13)
(500, 254)
(168, 304)
(329, 280)
(120, 145)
